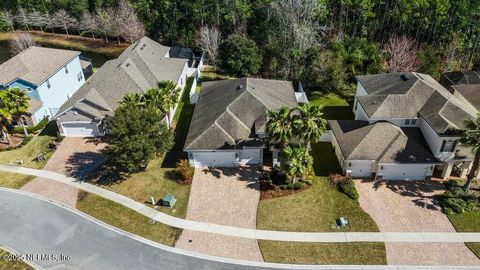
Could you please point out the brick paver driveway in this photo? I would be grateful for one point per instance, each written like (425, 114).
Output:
(74, 157)
(402, 206)
(228, 197)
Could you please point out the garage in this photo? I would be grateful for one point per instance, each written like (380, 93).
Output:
(360, 168)
(251, 156)
(80, 129)
(214, 159)
(404, 171)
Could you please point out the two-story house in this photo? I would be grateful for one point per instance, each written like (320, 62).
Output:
(49, 76)
(407, 126)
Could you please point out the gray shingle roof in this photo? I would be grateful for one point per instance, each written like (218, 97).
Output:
(460, 78)
(35, 65)
(227, 111)
(381, 141)
(139, 67)
(470, 92)
(424, 97)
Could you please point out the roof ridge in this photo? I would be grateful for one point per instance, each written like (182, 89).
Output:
(235, 117)
(371, 126)
(399, 133)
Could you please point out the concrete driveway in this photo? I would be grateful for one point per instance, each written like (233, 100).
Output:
(228, 197)
(409, 206)
(75, 157)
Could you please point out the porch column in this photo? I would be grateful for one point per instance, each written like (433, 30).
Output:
(466, 169)
(447, 169)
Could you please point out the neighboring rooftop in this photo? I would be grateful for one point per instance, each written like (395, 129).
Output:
(231, 112)
(381, 141)
(471, 92)
(35, 65)
(460, 77)
(410, 95)
(139, 67)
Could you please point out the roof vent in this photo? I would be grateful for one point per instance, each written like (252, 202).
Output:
(127, 65)
(143, 46)
(240, 87)
(404, 77)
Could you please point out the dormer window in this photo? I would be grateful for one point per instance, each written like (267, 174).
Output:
(407, 122)
(48, 84)
(29, 89)
(448, 146)
(66, 70)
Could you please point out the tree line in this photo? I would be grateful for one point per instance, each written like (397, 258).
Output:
(324, 43)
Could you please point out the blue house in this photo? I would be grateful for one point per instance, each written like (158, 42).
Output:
(49, 76)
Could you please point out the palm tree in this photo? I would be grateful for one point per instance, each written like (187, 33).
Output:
(5, 116)
(279, 126)
(295, 161)
(169, 93)
(133, 100)
(471, 137)
(19, 103)
(308, 124)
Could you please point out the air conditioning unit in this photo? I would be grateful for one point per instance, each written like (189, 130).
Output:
(348, 173)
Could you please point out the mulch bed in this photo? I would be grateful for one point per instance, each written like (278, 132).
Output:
(270, 191)
(16, 140)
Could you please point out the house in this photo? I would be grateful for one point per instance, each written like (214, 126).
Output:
(229, 120)
(140, 67)
(50, 77)
(407, 126)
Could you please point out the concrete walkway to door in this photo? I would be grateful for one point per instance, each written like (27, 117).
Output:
(409, 206)
(226, 196)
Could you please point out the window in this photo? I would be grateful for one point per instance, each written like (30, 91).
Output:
(80, 76)
(48, 84)
(448, 146)
(66, 70)
(29, 89)
(413, 122)
(356, 105)
(407, 122)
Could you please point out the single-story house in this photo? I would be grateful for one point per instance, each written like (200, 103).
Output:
(140, 67)
(228, 123)
(381, 150)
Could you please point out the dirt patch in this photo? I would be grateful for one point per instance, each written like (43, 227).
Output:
(16, 141)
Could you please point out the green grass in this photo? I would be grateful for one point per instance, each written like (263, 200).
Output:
(323, 253)
(467, 222)
(209, 74)
(335, 106)
(28, 154)
(315, 210)
(126, 219)
(154, 182)
(12, 265)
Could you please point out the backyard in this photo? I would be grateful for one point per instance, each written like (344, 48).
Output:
(314, 210)
(335, 106)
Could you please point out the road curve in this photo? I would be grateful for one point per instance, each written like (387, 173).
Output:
(32, 226)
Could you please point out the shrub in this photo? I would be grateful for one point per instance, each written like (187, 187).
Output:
(457, 200)
(334, 179)
(41, 125)
(185, 170)
(298, 185)
(347, 187)
(24, 142)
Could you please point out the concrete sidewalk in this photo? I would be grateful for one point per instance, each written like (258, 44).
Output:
(339, 237)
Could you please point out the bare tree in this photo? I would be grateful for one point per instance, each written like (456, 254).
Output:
(7, 18)
(37, 19)
(132, 28)
(454, 57)
(63, 20)
(402, 54)
(20, 42)
(50, 22)
(89, 24)
(209, 39)
(115, 23)
(22, 18)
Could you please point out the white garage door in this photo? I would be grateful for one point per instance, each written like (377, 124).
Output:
(251, 156)
(214, 159)
(80, 129)
(360, 168)
(404, 172)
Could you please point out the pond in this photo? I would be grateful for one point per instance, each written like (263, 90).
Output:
(98, 59)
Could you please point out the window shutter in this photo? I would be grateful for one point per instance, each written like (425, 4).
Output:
(443, 146)
(454, 145)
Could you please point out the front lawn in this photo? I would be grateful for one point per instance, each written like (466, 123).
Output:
(467, 222)
(28, 154)
(335, 106)
(126, 219)
(315, 210)
(157, 182)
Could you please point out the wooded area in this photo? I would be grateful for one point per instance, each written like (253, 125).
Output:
(322, 42)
